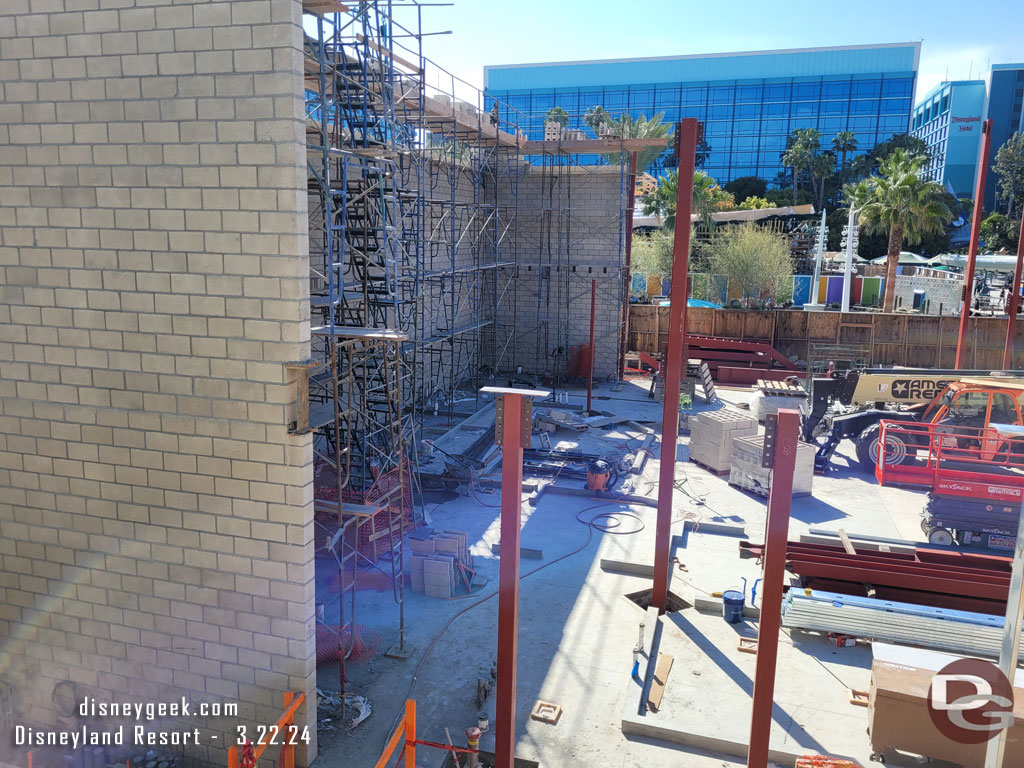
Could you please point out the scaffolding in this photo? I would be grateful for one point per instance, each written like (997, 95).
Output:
(412, 198)
(417, 264)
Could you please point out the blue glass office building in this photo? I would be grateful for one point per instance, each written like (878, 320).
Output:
(1006, 110)
(748, 102)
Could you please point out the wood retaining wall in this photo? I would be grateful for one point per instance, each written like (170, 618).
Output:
(919, 341)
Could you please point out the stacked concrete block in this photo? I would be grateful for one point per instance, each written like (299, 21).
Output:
(746, 471)
(552, 130)
(942, 295)
(712, 434)
(156, 527)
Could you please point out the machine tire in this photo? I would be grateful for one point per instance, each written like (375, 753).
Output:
(942, 536)
(867, 448)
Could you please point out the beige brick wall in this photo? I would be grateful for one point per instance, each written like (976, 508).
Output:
(155, 516)
(570, 230)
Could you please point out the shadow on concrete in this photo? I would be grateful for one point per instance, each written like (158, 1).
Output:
(818, 647)
(740, 678)
(812, 510)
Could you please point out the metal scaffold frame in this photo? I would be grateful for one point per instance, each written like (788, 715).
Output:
(415, 264)
(411, 207)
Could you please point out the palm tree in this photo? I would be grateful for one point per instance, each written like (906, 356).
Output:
(796, 158)
(640, 128)
(706, 194)
(898, 202)
(597, 116)
(557, 115)
(821, 168)
(843, 143)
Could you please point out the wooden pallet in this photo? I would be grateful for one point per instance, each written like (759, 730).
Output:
(780, 388)
(704, 376)
(713, 471)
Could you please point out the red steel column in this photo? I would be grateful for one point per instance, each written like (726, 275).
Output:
(686, 136)
(624, 341)
(972, 249)
(1011, 323)
(780, 495)
(515, 433)
(593, 319)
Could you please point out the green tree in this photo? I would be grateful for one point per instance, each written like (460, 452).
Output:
(756, 260)
(780, 197)
(747, 186)
(805, 157)
(1009, 167)
(651, 254)
(999, 232)
(902, 205)
(754, 203)
(640, 128)
(844, 143)
(707, 196)
(557, 115)
(821, 169)
(796, 157)
(866, 165)
(596, 117)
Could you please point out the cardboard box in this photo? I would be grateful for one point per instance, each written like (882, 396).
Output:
(898, 712)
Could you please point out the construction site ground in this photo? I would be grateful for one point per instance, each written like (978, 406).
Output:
(578, 629)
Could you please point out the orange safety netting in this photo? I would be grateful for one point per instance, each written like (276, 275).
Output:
(359, 644)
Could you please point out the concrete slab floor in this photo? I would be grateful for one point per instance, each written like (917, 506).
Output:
(577, 628)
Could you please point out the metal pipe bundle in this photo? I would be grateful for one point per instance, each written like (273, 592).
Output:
(942, 629)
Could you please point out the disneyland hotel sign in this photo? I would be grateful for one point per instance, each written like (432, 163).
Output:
(966, 123)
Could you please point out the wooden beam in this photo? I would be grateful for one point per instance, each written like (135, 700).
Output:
(346, 332)
(591, 146)
(385, 52)
(323, 7)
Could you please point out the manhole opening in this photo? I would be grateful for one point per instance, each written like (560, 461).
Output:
(673, 602)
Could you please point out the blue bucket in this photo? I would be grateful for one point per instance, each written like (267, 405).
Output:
(732, 606)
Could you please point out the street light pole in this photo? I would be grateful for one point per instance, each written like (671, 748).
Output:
(817, 261)
(848, 269)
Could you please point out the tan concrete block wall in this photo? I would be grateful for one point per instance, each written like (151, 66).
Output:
(155, 516)
(569, 231)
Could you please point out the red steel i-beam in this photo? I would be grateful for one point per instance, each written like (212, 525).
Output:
(972, 248)
(787, 430)
(1011, 322)
(513, 432)
(593, 321)
(686, 136)
(624, 340)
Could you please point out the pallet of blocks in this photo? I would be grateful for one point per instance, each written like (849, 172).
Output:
(747, 473)
(440, 561)
(712, 434)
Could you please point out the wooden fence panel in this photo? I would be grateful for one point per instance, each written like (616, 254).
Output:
(897, 339)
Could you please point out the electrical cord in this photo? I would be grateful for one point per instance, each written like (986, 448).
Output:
(591, 525)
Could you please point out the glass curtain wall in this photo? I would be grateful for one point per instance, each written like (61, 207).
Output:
(745, 122)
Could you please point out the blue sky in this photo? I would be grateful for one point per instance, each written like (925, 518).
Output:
(956, 37)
